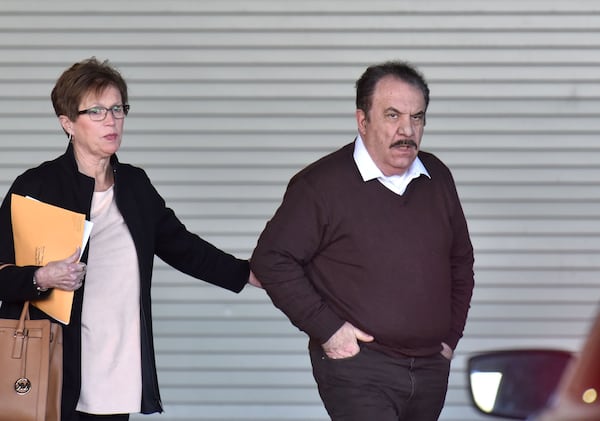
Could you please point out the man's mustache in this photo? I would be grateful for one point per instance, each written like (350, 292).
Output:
(410, 143)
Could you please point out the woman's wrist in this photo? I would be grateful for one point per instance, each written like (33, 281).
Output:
(38, 287)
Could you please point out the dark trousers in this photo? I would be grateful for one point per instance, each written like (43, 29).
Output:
(91, 417)
(375, 386)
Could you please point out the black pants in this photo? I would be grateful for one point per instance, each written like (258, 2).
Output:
(375, 386)
(91, 417)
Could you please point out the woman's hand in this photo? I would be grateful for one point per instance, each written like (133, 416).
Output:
(253, 280)
(64, 274)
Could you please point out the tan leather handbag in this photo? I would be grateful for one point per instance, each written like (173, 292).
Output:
(30, 368)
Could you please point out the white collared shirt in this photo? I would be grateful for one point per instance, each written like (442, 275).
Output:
(369, 170)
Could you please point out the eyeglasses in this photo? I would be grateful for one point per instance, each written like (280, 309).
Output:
(99, 113)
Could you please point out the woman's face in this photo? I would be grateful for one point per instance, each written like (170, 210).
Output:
(97, 139)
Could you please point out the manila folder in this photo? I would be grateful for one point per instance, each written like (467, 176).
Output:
(44, 233)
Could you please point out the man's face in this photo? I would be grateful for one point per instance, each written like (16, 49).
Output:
(393, 129)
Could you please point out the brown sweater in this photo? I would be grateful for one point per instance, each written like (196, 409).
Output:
(341, 249)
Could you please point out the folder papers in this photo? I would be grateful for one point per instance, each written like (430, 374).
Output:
(44, 233)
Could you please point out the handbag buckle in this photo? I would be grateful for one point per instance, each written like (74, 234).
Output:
(22, 386)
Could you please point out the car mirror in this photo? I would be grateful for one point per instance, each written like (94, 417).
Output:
(517, 383)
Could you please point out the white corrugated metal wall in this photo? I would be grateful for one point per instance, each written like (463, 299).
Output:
(230, 98)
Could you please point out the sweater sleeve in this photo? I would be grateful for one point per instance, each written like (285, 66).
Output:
(461, 261)
(289, 241)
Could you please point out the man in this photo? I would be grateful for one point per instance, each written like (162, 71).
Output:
(369, 254)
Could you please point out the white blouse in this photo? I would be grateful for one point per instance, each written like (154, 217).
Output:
(111, 373)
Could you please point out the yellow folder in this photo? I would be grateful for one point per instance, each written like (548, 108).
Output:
(44, 233)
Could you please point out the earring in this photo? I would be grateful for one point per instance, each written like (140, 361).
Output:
(70, 136)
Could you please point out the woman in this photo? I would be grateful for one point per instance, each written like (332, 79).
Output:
(109, 364)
